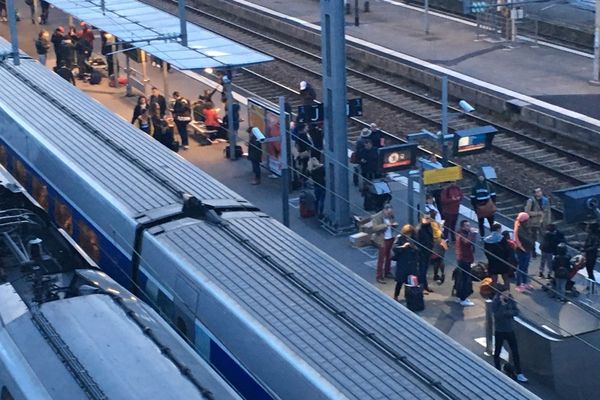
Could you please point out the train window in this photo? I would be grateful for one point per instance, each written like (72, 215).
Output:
(40, 192)
(88, 240)
(19, 172)
(5, 394)
(63, 217)
(165, 304)
(3, 156)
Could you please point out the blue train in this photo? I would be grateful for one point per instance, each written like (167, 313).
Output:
(274, 314)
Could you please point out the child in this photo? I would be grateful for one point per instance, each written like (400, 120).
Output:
(552, 237)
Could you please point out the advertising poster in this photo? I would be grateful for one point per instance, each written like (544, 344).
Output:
(265, 117)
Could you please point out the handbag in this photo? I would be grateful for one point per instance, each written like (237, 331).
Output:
(486, 210)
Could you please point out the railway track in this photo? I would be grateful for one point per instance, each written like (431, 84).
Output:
(523, 159)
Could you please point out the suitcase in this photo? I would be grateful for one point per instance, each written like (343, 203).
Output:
(307, 204)
(414, 298)
(238, 152)
(479, 271)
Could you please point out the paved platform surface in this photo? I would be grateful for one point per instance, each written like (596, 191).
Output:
(465, 325)
(556, 76)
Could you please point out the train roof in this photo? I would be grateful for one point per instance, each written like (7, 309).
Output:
(344, 329)
(306, 318)
(123, 361)
(110, 151)
(64, 322)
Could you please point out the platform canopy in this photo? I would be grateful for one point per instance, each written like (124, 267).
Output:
(143, 25)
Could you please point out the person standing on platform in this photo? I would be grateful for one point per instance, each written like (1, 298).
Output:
(3, 12)
(504, 310)
(406, 255)
(524, 241)
(144, 122)
(42, 45)
(483, 200)
(376, 136)
(498, 253)
(87, 34)
(450, 198)
(107, 48)
(182, 114)
(303, 145)
(157, 98)
(424, 235)
(358, 150)
(65, 72)
(368, 158)
(223, 133)
(317, 174)
(538, 208)
(255, 156)
(316, 137)
(439, 248)
(67, 51)
(307, 93)
(384, 223)
(464, 258)
(45, 12)
(590, 248)
(550, 241)
(142, 104)
(57, 38)
(84, 51)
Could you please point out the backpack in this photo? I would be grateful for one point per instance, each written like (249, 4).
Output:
(479, 271)
(95, 78)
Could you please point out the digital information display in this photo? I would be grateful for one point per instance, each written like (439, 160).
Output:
(393, 158)
(474, 140)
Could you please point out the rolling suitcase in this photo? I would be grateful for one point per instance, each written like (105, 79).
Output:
(414, 298)
(307, 204)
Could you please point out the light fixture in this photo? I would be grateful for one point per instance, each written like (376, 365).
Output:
(208, 70)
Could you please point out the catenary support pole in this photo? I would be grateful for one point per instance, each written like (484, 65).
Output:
(333, 50)
(596, 65)
(443, 144)
(231, 129)
(12, 23)
(356, 16)
(285, 172)
(165, 74)
(426, 17)
(182, 23)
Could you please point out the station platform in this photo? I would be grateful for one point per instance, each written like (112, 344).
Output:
(465, 325)
(546, 72)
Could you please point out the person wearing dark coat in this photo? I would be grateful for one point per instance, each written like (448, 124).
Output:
(42, 45)
(424, 237)
(84, 51)
(64, 72)
(164, 133)
(504, 310)
(317, 174)
(590, 248)
(316, 136)
(182, 114)
(106, 49)
(45, 12)
(525, 241)
(376, 136)
(254, 155)
(67, 51)
(464, 258)
(142, 104)
(369, 159)
(481, 194)
(307, 93)
(406, 255)
(159, 99)
(57, 38)
(550, 240)
(497, 251)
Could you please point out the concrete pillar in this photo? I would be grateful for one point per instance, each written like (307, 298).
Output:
(333, 51)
